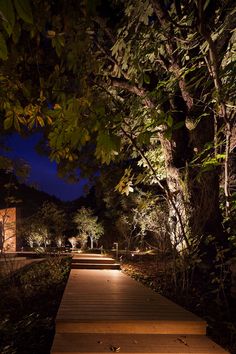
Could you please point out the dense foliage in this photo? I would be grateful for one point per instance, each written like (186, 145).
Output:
(28, 306)
(149, 81)
(88, 226)
(45, 227)
(144, 93)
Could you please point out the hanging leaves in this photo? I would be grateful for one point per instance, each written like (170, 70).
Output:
(9, 120)
(108, 147)
(24, 11)
(146, 12)
(16, 123)
(58, 43)
(79, 137)
(8, 15)
(125, 185)
(169, 120)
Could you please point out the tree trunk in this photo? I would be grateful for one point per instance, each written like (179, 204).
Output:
(177, 205)
(194, 189)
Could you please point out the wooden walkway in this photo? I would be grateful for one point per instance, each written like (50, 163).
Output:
(104, 311)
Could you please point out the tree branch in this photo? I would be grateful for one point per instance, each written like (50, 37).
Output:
(213, 68)
(174, 67)
(141, 92)
(110, 58)
(164, 17)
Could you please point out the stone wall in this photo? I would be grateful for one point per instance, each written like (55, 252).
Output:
(8, 229)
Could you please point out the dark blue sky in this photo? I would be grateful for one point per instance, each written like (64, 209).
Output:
(43, 171)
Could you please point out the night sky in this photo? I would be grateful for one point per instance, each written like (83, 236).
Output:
(43, 172)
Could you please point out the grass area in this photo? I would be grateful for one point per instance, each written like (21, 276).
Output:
(220, 314)
(28, 306)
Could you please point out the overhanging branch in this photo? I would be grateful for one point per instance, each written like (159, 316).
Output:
(138, 91)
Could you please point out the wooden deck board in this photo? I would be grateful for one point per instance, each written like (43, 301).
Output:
(67, 343)
(108, 300)
(104, 309)
(93, 261)
(76, 265)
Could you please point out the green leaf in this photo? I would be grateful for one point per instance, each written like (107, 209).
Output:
(79, 137)
(169, 120)
(58, 44)
(3, 48)
(206, 4)
(168, 134)
(144, 138)
(23, 9)
(125, 185)
(178, 125)
(16, 123)
(108, 147)
(22, 120)
(40, 121)
(221, 156)
(8, 121)
(31, 123)
(146, 78)
(7, 10)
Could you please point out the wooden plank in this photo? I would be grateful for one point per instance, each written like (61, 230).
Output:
(137, 343)
(95, 265)
(108, 301)
(102, 310)
(90, 257)
(128, 326)
(103, 260)
(93, 261)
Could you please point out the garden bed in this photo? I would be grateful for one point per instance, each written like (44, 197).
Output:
(28, 306)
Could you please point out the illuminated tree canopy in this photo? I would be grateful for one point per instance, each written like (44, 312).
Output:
(148, 85)
(87, 226)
